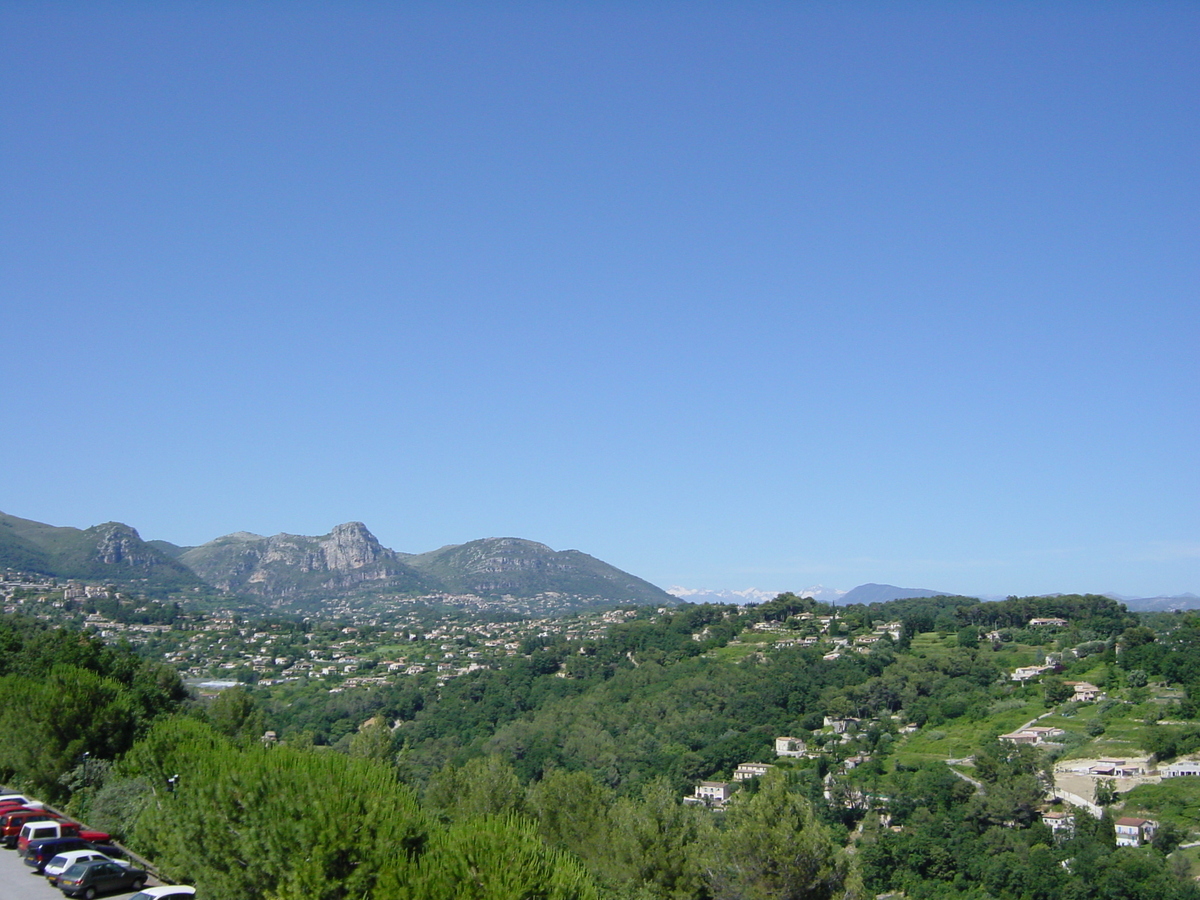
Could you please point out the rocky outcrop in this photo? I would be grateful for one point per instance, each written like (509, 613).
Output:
(109, 552)
(297, 572)
(115, 551)
(118, 544)
(291, 564)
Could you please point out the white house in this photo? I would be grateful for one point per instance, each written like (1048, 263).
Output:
(894, 629)
(711, 793)
(1085, 692)
(1034, 735)
(1026, 673)
(1059, 822)
(1132, 832)
(790, 746)
(1180, 768)
(746, 771)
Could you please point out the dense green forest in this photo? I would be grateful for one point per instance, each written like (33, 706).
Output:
(562, 773)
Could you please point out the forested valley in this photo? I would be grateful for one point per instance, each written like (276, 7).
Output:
(564, 772)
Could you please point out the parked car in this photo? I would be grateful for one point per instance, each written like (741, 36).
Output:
(41, 852)
(59, 864)
(11, 823)
(89, 879)
(167, 892)
(56, 828)
(6, 808)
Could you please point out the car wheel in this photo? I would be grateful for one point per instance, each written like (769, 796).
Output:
(89, 894)
(138, 885)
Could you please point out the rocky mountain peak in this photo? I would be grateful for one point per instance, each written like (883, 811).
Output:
(352, 546)
(119, 543)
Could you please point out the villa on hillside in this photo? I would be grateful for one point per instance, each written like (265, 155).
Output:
(713, 794)
(790, 746)
(1133, 832)
(1180, 768)
(1059, 823)
(1115, 768)
(1052, 622)
(839, 726)
(1037, 734)
(1085, 692)
(746, 771)
(893, 629)
(1026, 673)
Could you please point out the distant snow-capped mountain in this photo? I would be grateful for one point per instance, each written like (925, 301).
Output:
(819, 593)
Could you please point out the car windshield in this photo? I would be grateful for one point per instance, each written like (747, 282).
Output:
(57, 861)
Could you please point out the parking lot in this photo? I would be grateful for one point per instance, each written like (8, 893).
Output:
(19, 882)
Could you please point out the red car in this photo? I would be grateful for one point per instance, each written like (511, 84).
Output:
(12, 822)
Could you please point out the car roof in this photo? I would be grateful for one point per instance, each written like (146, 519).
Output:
(88, 863)
(73, 856)
(21, 816)
(164, 890)
(47, 843)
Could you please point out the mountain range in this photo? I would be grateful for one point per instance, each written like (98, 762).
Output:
(1186, 600)
(291, 569)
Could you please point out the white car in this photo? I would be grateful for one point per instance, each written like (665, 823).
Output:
(62, 862)
(167, 892)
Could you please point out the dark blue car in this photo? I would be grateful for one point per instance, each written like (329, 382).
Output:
(41, 852)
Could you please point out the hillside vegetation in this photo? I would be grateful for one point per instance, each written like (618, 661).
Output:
(563, 772)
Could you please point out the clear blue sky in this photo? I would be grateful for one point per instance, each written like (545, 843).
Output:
(725, 294)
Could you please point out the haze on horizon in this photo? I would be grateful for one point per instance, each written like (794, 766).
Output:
(756, 294)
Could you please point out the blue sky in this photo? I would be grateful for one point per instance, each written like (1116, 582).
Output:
(728, 295)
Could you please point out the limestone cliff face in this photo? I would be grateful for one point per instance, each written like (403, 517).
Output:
(296, 572)
(119, 544)
(351, 546)
(289, 564)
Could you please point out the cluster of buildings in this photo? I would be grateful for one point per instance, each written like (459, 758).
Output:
(715, 794)
(1131, 831)
(809, 630)
(222, 647)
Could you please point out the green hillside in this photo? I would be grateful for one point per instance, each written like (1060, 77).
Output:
(109, 552)
(523, 568)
